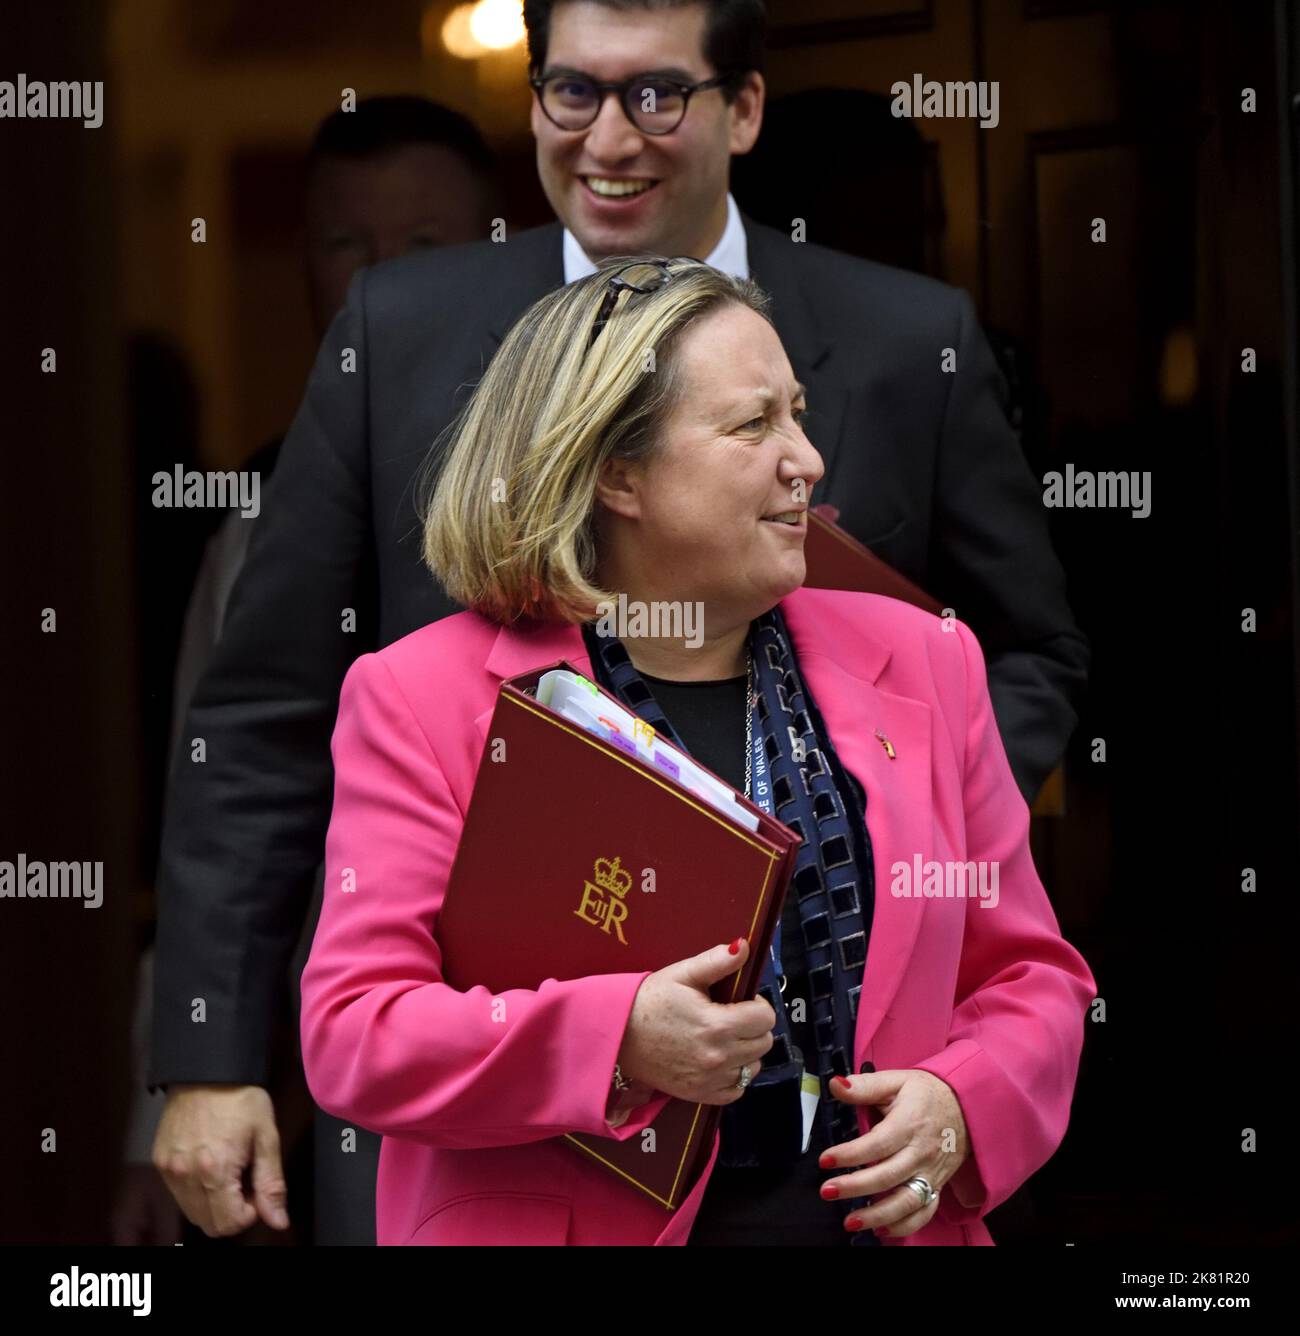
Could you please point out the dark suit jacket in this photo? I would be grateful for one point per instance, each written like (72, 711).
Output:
(920, 461)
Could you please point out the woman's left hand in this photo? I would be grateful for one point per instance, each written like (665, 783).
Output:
(923, 1132)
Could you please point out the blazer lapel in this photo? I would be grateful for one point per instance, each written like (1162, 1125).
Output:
(803, 335)
(517, 650)
(532, 265)
(899, 808)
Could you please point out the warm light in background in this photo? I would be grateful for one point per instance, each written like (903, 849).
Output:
(471, 31)
(498, 24)
(454, 35)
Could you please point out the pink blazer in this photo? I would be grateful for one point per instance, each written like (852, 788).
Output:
(990, 999)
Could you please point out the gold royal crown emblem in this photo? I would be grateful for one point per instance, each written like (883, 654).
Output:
(611, 879)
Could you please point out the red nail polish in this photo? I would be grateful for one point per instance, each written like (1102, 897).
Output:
(853, 1223)
(829, 1192)
(827, 1160)
(844, 1081)
(734, 948)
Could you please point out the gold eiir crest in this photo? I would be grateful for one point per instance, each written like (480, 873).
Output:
(614, 881)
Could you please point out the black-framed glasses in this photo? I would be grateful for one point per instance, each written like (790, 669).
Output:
(654, 105)
(635, 276)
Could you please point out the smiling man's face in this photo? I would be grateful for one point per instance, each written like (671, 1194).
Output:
(684, 210)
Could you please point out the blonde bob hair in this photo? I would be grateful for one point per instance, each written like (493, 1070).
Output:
(510, 524)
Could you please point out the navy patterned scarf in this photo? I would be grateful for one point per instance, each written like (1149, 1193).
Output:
(833, 881)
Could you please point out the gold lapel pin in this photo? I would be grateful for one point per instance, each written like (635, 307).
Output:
(887, 745)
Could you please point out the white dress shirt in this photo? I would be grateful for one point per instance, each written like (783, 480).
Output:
(731, 254)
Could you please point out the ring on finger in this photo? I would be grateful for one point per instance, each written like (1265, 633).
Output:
(921, 1186)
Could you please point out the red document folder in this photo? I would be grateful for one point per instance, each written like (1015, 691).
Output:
(550, 882)
(836, 560)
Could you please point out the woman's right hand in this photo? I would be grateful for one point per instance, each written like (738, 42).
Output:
(680, 1041)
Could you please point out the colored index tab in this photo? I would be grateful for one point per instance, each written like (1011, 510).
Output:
(622, 743)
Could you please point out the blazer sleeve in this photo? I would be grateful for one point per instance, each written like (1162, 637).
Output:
(387, 1043)
(245, 819)
(992, 559)
(1022, 990)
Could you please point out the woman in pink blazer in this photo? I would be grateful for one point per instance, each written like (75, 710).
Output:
(638, 435)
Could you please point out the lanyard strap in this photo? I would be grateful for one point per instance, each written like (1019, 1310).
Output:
(762, 797)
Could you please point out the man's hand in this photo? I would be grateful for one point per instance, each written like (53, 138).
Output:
(209, 1135)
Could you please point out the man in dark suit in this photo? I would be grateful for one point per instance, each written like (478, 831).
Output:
(904, 405)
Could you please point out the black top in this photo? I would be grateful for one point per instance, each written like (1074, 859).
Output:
(753, 1206)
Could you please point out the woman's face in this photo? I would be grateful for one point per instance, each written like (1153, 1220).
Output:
(733, 457)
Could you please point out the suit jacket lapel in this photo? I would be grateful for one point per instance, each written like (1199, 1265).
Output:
(533, 265)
